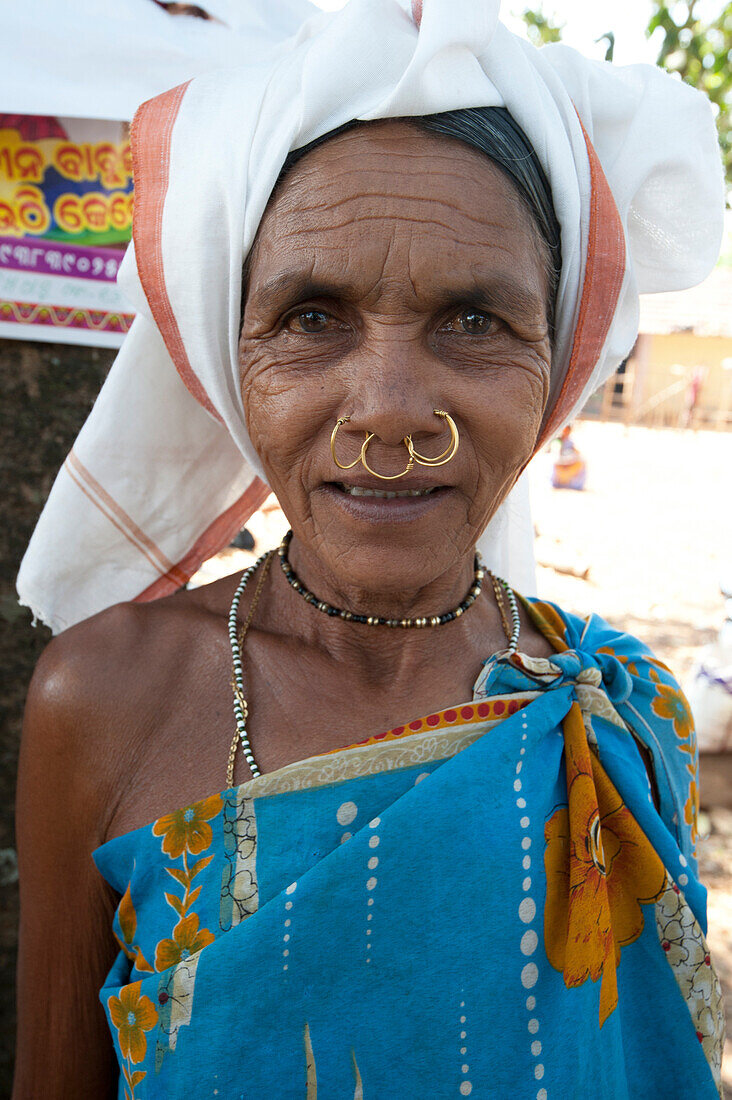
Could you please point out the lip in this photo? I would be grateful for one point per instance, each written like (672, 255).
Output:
(381, 510)
(398, 486)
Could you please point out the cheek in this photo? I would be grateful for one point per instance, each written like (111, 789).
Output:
(285, 411)
(504, 418)
(510, 403)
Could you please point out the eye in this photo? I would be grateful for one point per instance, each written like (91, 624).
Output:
(473, 322)
(308, 320)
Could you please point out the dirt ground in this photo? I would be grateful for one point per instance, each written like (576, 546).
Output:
(645, 545)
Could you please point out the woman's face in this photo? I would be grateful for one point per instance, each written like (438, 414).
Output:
(394, 273)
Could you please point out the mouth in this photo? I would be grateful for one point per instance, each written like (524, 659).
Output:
(384, 494)
(363, 504)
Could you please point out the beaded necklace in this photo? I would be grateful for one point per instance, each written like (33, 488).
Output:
(241, 708)
(379, 620)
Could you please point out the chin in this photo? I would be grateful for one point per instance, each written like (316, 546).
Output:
(393, 558)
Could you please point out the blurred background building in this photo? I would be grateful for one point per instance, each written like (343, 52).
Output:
(679, 374)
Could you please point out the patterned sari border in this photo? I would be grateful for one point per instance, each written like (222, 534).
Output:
(405, 750)
(497, 707)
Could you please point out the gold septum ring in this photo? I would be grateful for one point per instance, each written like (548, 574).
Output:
(414, 456)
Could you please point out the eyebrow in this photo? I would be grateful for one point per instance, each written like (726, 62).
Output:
(290, 287)
(502, 292)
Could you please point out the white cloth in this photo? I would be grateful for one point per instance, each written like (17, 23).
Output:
(153, 479)
(78, 57)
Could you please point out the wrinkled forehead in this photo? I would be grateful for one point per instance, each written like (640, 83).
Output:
(389, 200)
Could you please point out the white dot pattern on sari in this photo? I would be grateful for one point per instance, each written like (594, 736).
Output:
(287, 934)
(529, 940)
(372, 880)
(466, 1086)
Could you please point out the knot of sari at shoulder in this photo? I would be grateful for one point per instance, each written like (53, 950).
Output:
(505, 671)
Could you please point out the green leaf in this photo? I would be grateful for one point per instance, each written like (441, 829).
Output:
(698, 49)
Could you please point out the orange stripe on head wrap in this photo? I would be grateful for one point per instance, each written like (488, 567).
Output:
(150, 137)
(604, 273)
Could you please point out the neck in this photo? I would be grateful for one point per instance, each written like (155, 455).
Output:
(393, 601)
(380, 651)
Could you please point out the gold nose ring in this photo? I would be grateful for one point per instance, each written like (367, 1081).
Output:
(449, 452)
(339, 424)
(414, 456)
(362, 454)
(385, 477)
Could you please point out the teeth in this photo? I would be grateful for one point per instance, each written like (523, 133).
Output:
(357, 491)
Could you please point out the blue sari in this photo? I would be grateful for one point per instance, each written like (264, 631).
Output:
(488, 902)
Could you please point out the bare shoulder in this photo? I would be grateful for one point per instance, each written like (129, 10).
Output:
(87, 668)
(111, 694)
(94, 665)
(76, 661)
(93, 692)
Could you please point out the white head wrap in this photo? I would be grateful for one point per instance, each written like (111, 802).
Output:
(163, 473)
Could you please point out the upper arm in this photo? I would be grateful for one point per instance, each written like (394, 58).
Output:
(66, 945)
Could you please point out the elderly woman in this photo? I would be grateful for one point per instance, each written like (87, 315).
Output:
(454, 854)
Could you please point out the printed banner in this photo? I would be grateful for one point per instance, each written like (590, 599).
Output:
(66, 201)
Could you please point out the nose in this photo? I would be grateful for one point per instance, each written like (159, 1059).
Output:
(391, 397)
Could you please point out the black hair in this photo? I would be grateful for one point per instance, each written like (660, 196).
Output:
(494, 132)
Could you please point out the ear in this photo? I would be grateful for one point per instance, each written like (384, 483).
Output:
(417, 12)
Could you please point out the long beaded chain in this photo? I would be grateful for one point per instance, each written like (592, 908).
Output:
(511, 629)
(241, 707)
(501, 589)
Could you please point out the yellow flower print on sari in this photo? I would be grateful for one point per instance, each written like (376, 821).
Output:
(187, 940)
(600, 868)
(632, 664)
(132, 1015)
(626, 662)
(187, 830)
(669, 703)
(185, 833)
